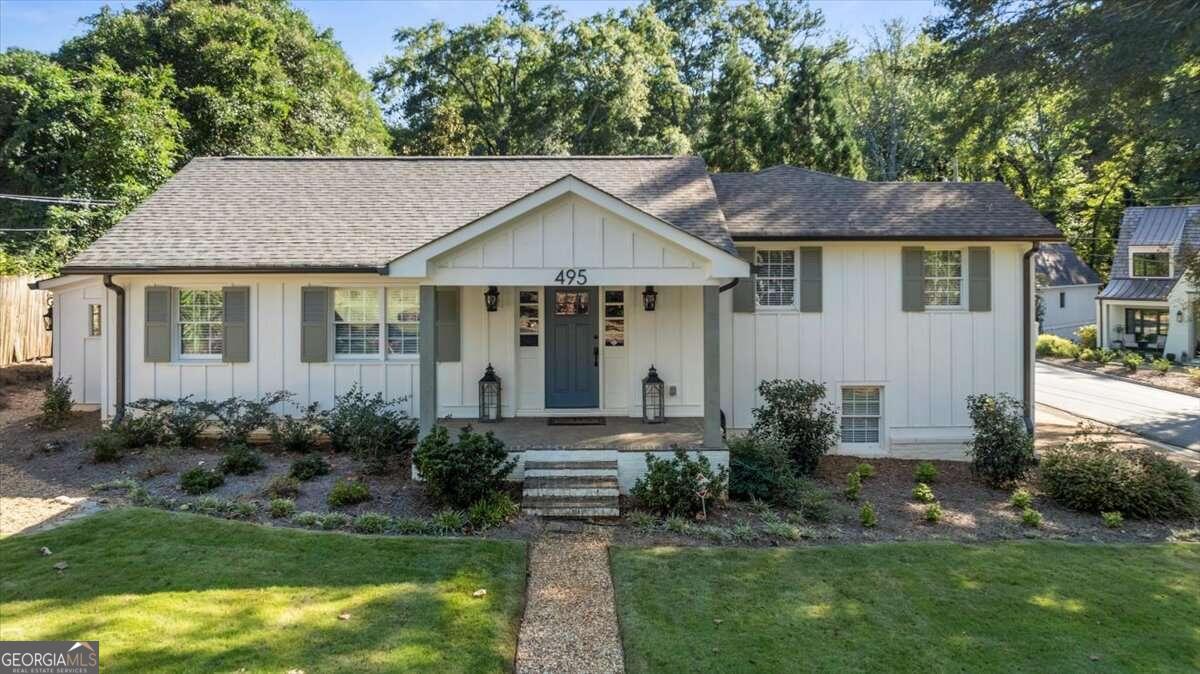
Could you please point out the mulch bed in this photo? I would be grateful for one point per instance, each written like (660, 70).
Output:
(1176, 379)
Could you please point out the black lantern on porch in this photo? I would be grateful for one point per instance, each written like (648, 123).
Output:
(48, 317)
(489, 396)
(649, 299)
(653, 398)
(491, 298)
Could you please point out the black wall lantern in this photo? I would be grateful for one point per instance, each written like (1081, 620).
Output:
(48, 317)
(489, 396)
(649, 299)
(491, 298)
(653, 398)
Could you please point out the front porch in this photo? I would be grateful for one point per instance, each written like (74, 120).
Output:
(623, 434)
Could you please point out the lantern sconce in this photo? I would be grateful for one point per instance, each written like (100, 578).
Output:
(48, 317)
(489, 396)
(1179, 316)
(491, 298)
(653, 398)
(649, 299)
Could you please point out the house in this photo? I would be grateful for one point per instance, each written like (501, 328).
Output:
(571, 277)
(1147, 305)
(1066, 290)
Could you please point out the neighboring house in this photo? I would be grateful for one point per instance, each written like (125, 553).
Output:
(571, 277)
(1146, 305)
(1067, 288)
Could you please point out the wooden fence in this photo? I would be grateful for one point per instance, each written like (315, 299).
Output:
(22, 335)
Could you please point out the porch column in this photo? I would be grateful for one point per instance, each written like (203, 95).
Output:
(427, 347)
(712, 368)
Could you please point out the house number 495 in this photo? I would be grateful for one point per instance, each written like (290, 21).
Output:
(568, 277)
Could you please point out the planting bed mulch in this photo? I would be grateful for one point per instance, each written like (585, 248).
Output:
(1176, 379)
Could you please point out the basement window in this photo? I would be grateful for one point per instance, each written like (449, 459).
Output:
(861, 411)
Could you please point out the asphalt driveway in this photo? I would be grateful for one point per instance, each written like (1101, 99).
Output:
(1160, 415)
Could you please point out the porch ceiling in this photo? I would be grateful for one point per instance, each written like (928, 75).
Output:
(620, 433)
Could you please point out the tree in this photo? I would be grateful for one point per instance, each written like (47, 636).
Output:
(810, 130)
(736, 129)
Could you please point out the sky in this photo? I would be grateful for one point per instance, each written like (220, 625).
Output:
(365, 27)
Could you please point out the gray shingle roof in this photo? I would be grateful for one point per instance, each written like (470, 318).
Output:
(1058, 265)
(1155, 226)
(791, 202)
(362, 213)
(1137, 289)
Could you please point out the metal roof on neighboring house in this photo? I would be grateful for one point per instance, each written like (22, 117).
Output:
(1145, 289)
(1171, 226)
(1057, 264)
(1159, 226)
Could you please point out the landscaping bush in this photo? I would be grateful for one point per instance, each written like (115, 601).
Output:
(239, 417)
(926, 473)
(1056, 347)
(1194, 375)
(200, 480)
(241, 460)
(1031, 518)
(1112, 520)
(933, 513)
(307, 518)
(787, 532)
(372, 523)
(449, 522)
(185, 420)
(1160, 365)
(760, 468)
(1089, 355)
(923, 493)
(491, 511)
(283, 486)
(413, 526)
(1001, 449)
(810, 501)
(335, 520)
(1132, 361)
(56, 405)
(107, 446)
(795, 416)
(282, 507)
(865, 470)
(1021, 499)
(853, 485)
(866, 516)
(297, 433)
(1087, 473)
(1086, 335)
(680, 486)
(1106, 356)
(374, 430)
(307, 467)
(461, 472)
(345, 492)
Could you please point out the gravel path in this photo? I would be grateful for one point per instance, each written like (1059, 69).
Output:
(570, 622)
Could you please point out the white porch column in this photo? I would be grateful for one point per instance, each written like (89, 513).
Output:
(712, 368)
(427, 347)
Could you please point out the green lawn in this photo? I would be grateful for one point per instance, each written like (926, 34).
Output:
(174, 592)
(1035, 607)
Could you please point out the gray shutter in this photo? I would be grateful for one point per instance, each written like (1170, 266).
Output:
(448, 325)
(158, 324)
(314, 324)
(979, 270)
(743, 292)
(236, 326)
(810, 279)
(912, 265)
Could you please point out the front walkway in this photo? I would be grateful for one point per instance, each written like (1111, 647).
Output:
(619, 433)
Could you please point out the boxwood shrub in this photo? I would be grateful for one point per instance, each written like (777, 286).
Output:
(461, 472)
(200, 480)
(680, 486)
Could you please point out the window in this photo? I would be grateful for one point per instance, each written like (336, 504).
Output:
(95, 322)
(1152, 265)
(1144, 323)
(943, 278)
(528, 312)
(775, 278)
(356, 321)
(403, 316)
(567, 303)
(614, 318)
(860, 414)
(1062, 300)
(201, 313)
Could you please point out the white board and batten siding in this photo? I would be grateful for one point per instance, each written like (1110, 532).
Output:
(926, 363)
(1068, 308)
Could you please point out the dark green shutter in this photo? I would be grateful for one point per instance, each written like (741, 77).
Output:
(912, 265)
(979, 270)
(236, 326)
(314, 324)
(743, 292)
(158, 324)
(810, 279)
(448, 325)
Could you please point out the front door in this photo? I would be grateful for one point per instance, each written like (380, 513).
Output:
(572, 348)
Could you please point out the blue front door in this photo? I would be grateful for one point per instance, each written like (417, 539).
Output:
(572, 348)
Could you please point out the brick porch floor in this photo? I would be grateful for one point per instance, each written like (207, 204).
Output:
(619, 433)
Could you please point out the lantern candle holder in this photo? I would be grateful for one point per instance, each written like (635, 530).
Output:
(653, 398)
(489, 396)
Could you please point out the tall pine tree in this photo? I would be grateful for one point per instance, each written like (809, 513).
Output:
(809, 128)
(737, 123)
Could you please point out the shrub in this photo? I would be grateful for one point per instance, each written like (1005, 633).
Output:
(146, 429)
(810, 501)
(923, 493)
(1160, 365)
(787, 532)
(865, 470)
(282, 486)
(1089, 355)
(1087, 473)
(926, 473)
(413, 526)
(1112, 519)
(716, 534)
(933, 513)
(795, 415)
(459, 473)
(866, 515)
(297, 434)
(1132, 361)
(211, 505)
(678, 525)
(282, 507)
(307, 518)
(742, 532)
(334, 520)
(239, 417)
(345, 492)
(307, 467)
(374, 430)
(492, 511)
(179, 422)
(642, 521)
(1086, 334)
(241, 510)
(1056, 347)
(758, 468)
(185, 420)
(1001, 449)
(680, 486)
(1021, 498)
(1106, 356)
(241, 460)
(1194, 375)
(200, 480)
(853, 485)
(56, 405)
(107, 446)
(449, 522)
(372, 523)
(1031, 518)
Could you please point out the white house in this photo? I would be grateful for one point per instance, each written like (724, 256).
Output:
(571, 277)
(1147, 304)
(1066, 288)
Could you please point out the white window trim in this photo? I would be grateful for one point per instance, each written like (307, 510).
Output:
(604, 319)
(864, 446)
(177, 333)
(540, 319)
(381, 355)
(779, 308)
(1134, 250)
(964, 274)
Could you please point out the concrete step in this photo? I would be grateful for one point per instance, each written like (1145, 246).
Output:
(611, 492)
(570, 472)
(572, 512)
(570, 465)
(571, 481)
(579, 501)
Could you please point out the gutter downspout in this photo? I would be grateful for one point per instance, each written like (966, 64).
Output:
(1027, 333)
(728, 286)
(120, 339)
